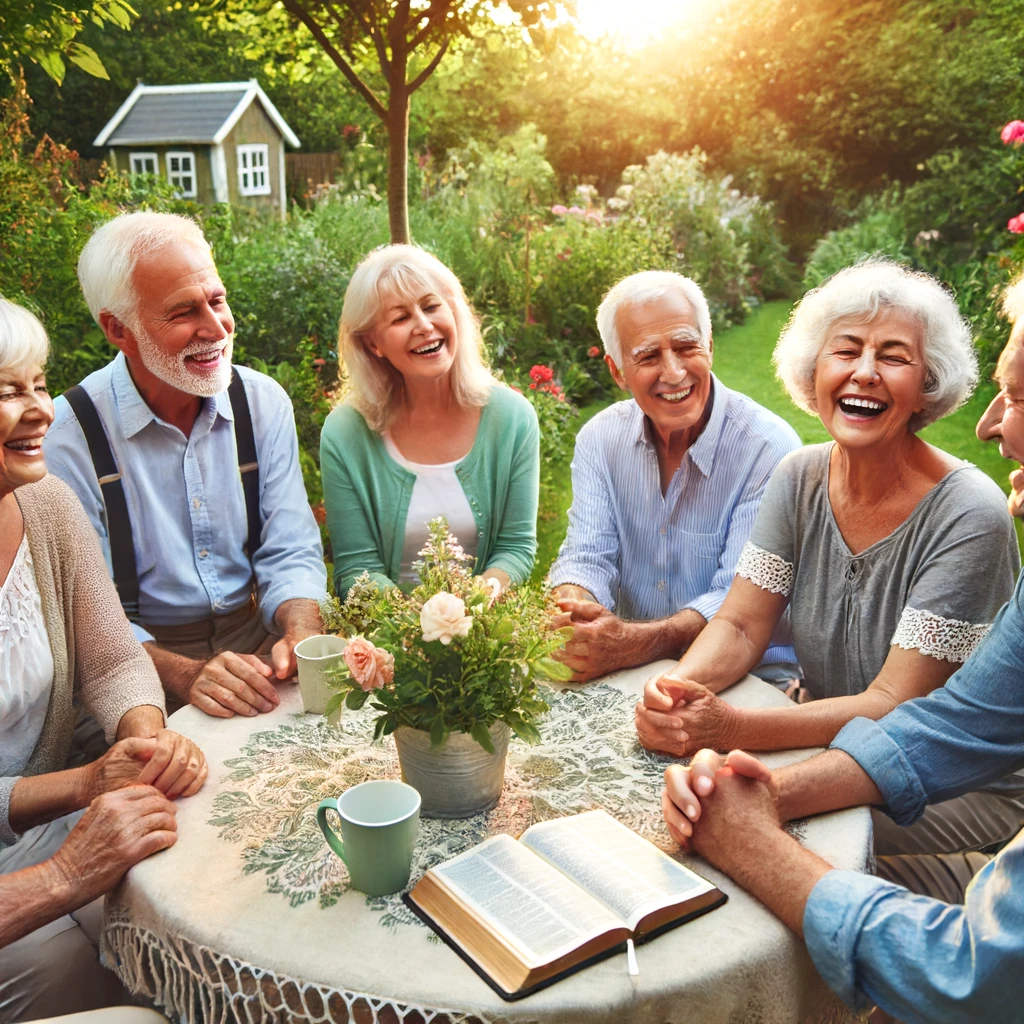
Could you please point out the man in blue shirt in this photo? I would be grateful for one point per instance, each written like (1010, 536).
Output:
(919, 958)
(206, 604)
(665, 487)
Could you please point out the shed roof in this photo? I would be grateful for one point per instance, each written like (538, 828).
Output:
(161, 114)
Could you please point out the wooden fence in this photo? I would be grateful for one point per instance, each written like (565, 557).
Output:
(304, 171)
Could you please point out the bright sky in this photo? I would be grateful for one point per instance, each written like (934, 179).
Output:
(636, 21)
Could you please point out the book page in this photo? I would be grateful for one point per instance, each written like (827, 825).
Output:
(629, 875)
(539, 911)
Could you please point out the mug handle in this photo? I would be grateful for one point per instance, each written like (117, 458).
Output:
(330, 804)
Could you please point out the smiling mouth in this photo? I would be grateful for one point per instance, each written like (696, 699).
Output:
(26, 446)
(429, 348)
(868, 407)
(675, 396)
(205, 360)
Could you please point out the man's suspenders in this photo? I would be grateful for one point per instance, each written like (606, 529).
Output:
(119, 526)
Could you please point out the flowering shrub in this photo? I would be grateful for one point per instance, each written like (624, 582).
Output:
(446, 657)
(555, 414)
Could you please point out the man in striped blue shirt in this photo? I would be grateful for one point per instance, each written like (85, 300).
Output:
(666, 487)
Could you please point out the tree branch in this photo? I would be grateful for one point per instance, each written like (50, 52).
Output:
(429, 69)
(372, 29)
(346, 69)
(433, 17)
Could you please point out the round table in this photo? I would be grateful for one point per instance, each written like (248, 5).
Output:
(249, 916)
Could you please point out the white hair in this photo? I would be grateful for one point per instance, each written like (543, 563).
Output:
(373, 385)
(649, 286)
(23, 339)
(862, 292)
(1013, 300)
(109, 258)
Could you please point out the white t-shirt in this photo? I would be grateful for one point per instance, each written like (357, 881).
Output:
(436, 492)
(26, 665)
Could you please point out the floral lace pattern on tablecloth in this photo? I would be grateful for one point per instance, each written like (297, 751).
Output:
(588, 757)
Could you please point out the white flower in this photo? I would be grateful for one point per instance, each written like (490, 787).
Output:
(443, 617)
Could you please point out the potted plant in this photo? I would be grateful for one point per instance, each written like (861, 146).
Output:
(451, 670)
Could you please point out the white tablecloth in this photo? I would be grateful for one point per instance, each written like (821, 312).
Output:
(250, 916)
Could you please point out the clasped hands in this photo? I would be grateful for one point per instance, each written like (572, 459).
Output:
(679, 716)
(721, 806)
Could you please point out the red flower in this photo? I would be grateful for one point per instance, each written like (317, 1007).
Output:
(541, 374)
(593, 351)
(1016, 224)
(318, 362)
(1013, 132)
(533, 387)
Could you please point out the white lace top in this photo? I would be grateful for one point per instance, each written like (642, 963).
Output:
(26, 665)
(933, 585)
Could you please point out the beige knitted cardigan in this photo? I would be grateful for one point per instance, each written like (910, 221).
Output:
(95, 653)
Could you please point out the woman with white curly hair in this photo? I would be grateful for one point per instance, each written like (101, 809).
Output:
(891, 556)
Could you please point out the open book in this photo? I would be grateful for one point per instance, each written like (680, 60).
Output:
(568, 893)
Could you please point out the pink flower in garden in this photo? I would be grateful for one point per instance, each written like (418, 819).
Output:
(1016, 224)
(1013, 132)
(577, 210)
(443, 617)
(593, 351)
(318, 362)
(371, 667)
(595, 215)
(559, 210)
(541, 374)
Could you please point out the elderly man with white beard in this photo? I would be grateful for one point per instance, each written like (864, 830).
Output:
(189, 471)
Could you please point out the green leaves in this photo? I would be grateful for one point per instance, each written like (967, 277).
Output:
(355, 699)
(482, 735)
(87, 59)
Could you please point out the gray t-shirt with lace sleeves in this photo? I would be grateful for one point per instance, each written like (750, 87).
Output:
(934, 584)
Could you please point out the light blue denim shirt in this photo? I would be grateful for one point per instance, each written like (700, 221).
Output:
(646, 555)
(185, 499)
(918, 958)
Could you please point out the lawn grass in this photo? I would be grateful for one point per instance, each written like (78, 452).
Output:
(743, 362)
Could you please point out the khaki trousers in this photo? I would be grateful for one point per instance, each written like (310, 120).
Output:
(942, 851)
(55, 969)
(240, 631)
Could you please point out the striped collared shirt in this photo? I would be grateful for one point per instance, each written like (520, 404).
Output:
(647, 555)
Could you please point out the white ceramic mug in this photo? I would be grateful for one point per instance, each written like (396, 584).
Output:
(314, 656)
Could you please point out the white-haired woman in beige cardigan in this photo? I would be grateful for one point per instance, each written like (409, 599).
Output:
(62, 634)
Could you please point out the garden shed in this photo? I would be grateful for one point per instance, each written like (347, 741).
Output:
(216, 143)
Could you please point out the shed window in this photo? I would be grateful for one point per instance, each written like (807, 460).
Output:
(181, 172)
(253, 174)
(143, 163)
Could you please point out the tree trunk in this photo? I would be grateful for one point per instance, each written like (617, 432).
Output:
(397, 162)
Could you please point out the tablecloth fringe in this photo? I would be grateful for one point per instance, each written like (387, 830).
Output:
(193, 984)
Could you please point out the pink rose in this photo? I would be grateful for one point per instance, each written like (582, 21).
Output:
(1016, 224)
(559, 210)
(1013, 132)
(443, 617)
(371, 667)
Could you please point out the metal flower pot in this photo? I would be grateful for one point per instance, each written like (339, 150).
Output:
(458, 779)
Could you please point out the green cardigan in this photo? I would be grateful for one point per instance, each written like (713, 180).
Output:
(366, 493)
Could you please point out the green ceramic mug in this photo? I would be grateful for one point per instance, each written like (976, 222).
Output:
(379, 820)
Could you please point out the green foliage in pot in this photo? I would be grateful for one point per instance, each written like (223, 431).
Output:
(446, 657)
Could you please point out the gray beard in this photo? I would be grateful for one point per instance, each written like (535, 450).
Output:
(173, 370)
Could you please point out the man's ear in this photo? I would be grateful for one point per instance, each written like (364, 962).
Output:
(118, 334)
(616, 373)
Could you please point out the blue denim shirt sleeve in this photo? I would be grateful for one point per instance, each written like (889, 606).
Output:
(289, 563)
(918, 958)
(966, 734)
